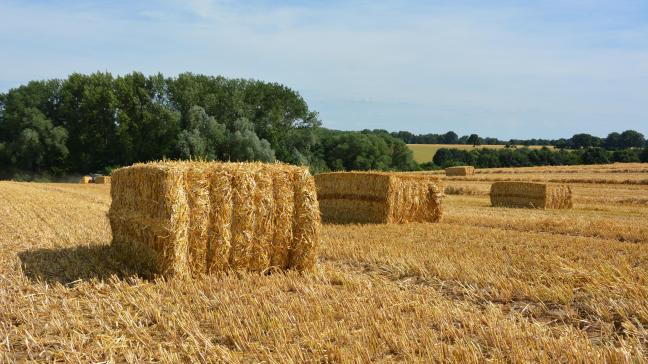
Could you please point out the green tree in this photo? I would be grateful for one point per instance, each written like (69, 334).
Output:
(245, 145)
(644, 156)
(89, 107)
(450, 138)
(273, 110)
(203, 138)
(474, 140)
(147, 126)
(626, 156)
(401, 156)
(39, 145)
(562, 143)
(631, 139)
(447, 157)
(595, 156)
(356, 151)
(613, 141)
(579, 141)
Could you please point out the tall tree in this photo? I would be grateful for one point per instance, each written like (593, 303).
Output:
(644, 155)
(613, 141)
(204, 137)
(245, 145)
(89, 112)
(147, 126)
(632, 139)
(39, 146)
(474, 140)
(450, 138)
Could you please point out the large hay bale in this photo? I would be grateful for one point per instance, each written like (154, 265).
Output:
(460, 171)
(85, 180)
(102, 180)
(532, 195)
(375, 197)
(189, 218)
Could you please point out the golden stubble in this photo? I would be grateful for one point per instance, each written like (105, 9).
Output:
(498, 284)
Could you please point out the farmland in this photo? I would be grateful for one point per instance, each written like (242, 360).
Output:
(425, 152)
(486, 283)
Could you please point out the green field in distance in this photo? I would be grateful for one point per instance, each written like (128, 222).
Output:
(424, 152)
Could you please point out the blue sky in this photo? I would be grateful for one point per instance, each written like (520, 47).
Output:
(509, 69)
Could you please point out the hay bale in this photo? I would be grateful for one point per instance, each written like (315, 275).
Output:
(190, 218)
(460, 171)
(85, 180)
(102, 180)
(532, 195)
(375, 197)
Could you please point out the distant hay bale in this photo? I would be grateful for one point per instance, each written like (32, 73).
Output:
(460, 171)
(375, 197)
(102, 180)
(190, 218)
(85, 180)
(532, 195)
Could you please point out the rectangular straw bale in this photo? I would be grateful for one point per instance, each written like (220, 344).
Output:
(85, 180)
(102, 180)
(190, 218)
(531, 195)
(377, 197)
(460, 171)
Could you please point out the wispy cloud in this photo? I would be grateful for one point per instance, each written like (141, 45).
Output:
(507, 68)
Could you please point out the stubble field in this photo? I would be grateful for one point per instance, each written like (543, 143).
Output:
(506, 285)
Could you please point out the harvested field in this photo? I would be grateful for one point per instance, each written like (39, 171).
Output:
(373, 197)
(485, 284)
(580, 169)
(617, 173)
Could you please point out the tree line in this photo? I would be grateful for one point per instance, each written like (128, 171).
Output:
(525, 157)
(92, 123)
(614, 140)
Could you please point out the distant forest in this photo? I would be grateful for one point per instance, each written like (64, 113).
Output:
(614, 141)
(97, 122)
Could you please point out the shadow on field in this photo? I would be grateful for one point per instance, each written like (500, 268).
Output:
(67, 265)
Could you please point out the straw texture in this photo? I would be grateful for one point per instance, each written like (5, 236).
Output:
(85, 180)
(460, 171)
(531, 195)
(190, 218)
(377, 197)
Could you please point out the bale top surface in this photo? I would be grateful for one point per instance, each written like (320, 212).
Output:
(204, 165)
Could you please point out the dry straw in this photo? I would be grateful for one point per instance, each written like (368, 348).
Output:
(85, 180)
(529, 194)
(460, 171)
(102, 180)
(375, 197)
(189, 218)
